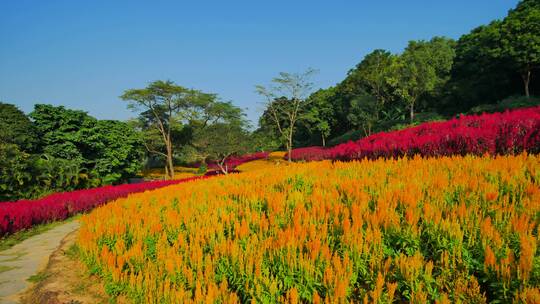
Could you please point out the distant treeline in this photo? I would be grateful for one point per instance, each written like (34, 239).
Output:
(57, 149)
(487, 69)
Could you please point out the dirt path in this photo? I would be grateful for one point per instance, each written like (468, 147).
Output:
(27, 259)
(65, 280)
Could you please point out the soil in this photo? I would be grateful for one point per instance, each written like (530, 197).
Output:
(65, 280)
(20, 265)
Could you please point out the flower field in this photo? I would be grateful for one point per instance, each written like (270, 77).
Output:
(23, 214)
(273, 160)
(498, 133)
(234, 161)
(458, 229)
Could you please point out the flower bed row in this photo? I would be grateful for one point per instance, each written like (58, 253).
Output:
(234, 161)
(509, 132)
(23, 214)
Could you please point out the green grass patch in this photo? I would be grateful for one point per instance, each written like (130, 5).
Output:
(4, 268)
(39, 277)
(19, 236)
(73, 252)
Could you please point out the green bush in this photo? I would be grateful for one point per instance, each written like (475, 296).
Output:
(24, 175)
(511, 102)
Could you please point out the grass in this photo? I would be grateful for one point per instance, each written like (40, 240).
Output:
(19, 236)
(4, 268)
(72, 252)
(15, 256)
(38, 277)
(179, 172)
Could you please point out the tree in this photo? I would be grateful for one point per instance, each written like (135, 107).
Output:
(28, 176)
(480, 74)
(520, 39)
(264, 139)
(423, 67)
(166, 105)
(319, 115)
(107, 151)
(219, 131)
(294, 89)
(60, 129)
(152, 139)
(363, 112)
(213, 111)
(115, 150)
(372, 75)
(221, 140)
(16, 128)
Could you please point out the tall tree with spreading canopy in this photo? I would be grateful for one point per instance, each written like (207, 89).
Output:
(295, 89)
(165, 104)
(372, 76)
(520, 39)
(221, 140)
(219, 131)
(423, 67)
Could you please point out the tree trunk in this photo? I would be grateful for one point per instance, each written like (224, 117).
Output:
(323, 140)
(170, 160)
(526, 76)
(289, 148)
(224, 169)
(411, 112)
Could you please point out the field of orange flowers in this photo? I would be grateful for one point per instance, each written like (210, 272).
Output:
(451, 229)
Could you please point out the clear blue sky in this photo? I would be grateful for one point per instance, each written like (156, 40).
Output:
(84, 54)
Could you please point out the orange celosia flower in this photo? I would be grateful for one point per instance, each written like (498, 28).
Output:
(324, 224)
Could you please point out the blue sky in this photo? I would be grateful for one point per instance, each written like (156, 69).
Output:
(84, 54)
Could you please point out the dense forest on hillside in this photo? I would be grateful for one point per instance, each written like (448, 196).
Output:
(492, 68)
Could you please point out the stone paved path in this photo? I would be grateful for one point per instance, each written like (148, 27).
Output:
(27, 258)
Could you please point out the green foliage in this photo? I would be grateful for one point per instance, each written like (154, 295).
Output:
(172, 120)
(506, 104)
(219, 141)
(265, 139)
(107, 151)
(348, 136)
(38, 277)
(116, 151)
(319, 114)
(63, 150)
(520, 39)
(163, 108)
(16, 128)
(286, 100)
(23, 175)
(421, 69)
(372, 76)
(434, 79)
(363, 113)
(202, 169)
